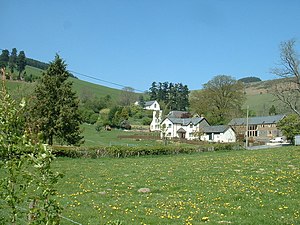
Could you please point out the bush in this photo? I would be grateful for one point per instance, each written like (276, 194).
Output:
(146, 121)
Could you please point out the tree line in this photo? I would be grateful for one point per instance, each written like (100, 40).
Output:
(173, 96)
(15, 63)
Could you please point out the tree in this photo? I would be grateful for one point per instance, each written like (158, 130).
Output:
(21, 63)
(26, 175)
(290, 126)
(4, 58)
(172, 96)
(55, 112)
(272, 110)
(250, 79)
(220, 99)
(142, 101)
(288, 92)
(127, 96)
(13, 60)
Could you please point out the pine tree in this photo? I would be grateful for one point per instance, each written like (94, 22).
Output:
(4, 58)
(21, 63)
(13, 60)
(55, 108)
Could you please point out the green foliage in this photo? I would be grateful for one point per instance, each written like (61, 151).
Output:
(54, 111)
(174, 96)
(146, 121)
(220, 100)
(21, 63)
(250, 79)
(13, 60)
(272, 111)
(4, 58)
(117, 115)
(28, 178)
(129, 151)
(290, 126)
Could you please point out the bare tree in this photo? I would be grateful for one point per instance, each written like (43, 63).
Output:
(288, 91)
(127, 97)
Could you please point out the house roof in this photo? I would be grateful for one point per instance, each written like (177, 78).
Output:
(186, 121)
(256, 120)
(177, 114)
(216, 129)
(149, 103)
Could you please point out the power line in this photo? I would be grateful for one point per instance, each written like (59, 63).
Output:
(105, 81)
(98, 79)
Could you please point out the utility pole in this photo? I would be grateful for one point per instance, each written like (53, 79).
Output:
(247, 124)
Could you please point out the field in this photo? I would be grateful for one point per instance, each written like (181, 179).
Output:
(108, 138)
(233, 187)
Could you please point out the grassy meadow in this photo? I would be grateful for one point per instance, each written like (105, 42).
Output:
(233, 187)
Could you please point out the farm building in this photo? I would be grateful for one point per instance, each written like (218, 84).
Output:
(221, 133)
(260, 129)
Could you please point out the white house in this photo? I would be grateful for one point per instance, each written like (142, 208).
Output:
(221, 133)
(156, 120)
(152, 105)
(186, 128)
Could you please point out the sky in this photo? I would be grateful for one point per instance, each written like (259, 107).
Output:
(133, 43)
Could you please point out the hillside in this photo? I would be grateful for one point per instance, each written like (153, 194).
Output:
(260, 98)
(259, 94)
(79, 85)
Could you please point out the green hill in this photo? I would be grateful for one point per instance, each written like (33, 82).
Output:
(259, 94)
(260, 98)
(79, 86)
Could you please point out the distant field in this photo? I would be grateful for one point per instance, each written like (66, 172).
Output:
(107, 138)
(238, 187)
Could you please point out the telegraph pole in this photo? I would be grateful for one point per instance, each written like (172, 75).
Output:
(247, 124)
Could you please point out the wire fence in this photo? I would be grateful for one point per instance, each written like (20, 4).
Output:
(24, 221)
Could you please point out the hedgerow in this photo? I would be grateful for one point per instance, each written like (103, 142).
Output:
(129, 151)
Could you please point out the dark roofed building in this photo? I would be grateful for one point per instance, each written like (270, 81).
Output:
(179, 114)
(219, 133)
(260, 129)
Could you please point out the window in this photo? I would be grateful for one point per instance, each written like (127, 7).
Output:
(155, 105)
(170, 125)
(252, 131)
(191, 125)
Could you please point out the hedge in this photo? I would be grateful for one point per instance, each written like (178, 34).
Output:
(128, 151)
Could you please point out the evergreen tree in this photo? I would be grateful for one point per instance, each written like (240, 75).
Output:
(55, 108)
(21, 63)
(4, 58)
(153, 91)
(13, 60)
(272, 111)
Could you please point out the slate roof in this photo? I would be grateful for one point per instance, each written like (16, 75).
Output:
(149, 103)
(215, 129)
(176, 114)
(186, 121)
(256, 120)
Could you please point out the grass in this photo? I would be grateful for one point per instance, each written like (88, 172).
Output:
(106, 138)
(78, 85)
(235, 187)
(260, 103)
